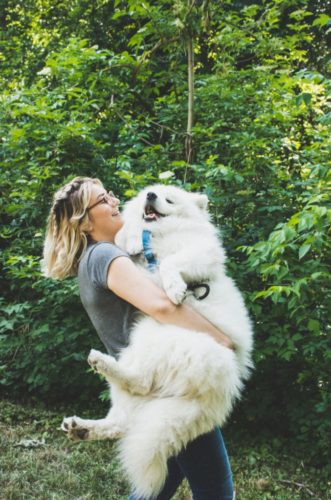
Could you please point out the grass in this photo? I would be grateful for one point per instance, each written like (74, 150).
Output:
(60, 469)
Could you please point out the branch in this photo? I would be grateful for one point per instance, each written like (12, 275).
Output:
(300, 485)
(148, 53)
(127, 123)
(191, 5)
(168, 128)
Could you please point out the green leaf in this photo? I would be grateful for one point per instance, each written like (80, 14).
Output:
(313, 325)
(305, 97)
(303, 250)
(322, 20)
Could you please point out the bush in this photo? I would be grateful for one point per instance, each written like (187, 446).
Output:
(261, 142)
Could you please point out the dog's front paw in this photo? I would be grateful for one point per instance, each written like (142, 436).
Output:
(172, 281)
(134, 245)
(176, 291)
(74, 429)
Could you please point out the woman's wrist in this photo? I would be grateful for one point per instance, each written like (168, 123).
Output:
(186, 317)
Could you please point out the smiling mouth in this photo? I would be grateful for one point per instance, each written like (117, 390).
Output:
(151, 213)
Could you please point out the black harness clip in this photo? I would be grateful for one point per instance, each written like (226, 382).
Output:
(194, 287)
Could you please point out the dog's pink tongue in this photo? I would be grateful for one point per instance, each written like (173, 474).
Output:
(150, 216)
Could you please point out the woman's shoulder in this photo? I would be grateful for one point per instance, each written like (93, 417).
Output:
(103, 249)
(96, 261)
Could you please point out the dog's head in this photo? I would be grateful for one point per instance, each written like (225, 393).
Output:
(158, 202)
(159, 208)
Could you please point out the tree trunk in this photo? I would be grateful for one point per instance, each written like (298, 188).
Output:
(190, 59)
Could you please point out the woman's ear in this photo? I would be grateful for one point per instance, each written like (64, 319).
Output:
(86, 226)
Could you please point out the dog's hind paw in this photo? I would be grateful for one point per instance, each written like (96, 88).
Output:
(94, 358)
(73, 428)
(102, 363)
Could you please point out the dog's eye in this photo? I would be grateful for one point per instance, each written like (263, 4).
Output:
(169, 201)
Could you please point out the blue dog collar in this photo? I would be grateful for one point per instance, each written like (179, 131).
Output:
(148, 253)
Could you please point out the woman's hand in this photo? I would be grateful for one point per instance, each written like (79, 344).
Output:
(127, 281)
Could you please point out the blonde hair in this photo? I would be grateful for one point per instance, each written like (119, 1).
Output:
(66, 237)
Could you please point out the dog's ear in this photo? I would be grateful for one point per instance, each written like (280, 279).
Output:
(201, 200)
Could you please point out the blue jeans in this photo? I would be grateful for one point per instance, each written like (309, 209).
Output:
(205, 464)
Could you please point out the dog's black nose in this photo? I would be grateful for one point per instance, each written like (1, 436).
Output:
(151, 196)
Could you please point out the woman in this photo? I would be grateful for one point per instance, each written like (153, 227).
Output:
(82, 226)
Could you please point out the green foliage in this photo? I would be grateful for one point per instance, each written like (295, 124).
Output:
(292, 268)
(41, 353)
(100, 89)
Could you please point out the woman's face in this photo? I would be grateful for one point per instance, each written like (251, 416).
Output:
(104, 214)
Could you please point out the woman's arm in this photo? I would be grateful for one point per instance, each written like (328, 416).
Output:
(127, 281)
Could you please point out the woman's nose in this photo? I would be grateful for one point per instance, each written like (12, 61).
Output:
(113, 199)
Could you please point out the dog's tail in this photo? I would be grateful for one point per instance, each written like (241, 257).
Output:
(161, 428)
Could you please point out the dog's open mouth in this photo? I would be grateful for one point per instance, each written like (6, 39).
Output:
(151, 213)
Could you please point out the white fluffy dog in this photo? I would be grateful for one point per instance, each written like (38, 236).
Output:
(170, 384)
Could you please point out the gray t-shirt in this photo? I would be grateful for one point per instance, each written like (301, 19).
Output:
(111, 316)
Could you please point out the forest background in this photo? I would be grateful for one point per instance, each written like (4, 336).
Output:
(231, 98)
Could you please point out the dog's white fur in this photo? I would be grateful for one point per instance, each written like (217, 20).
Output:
(170, 384)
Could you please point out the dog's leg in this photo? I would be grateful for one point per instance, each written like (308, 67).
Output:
(113, 372)
(172, 281)
(79, 429)
(176, 269)
(129, 238)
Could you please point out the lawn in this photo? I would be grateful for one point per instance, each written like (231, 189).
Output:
(38, 462)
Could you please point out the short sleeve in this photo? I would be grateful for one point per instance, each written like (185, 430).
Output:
(100, 258)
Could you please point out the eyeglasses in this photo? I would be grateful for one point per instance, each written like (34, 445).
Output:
(105, 199)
